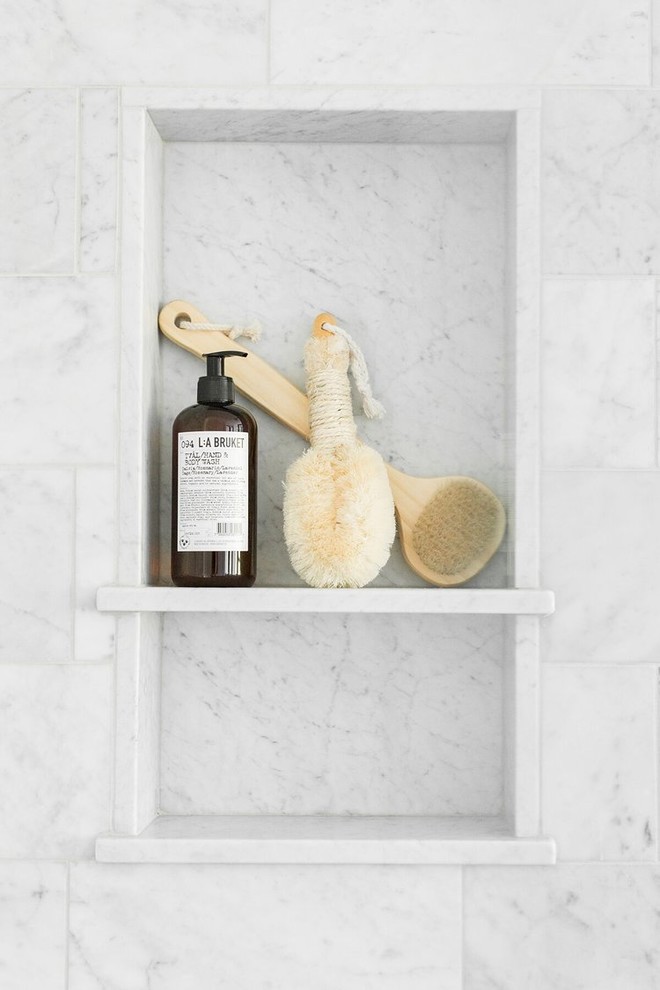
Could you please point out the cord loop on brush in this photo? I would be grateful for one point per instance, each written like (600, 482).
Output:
(373, 409)
(250, 332)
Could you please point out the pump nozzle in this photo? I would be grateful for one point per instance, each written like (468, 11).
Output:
(215, 361)
(215, 386)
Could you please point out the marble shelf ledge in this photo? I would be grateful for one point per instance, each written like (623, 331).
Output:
(467, 601)
(317, 839)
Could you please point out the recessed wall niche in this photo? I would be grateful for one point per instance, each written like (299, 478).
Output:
(396, 723)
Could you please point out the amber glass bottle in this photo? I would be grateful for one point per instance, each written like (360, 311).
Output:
(214, 486)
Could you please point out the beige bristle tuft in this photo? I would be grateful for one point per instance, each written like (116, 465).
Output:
(338, 516)
(456, 526)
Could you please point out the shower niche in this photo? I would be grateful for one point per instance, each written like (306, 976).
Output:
(395, 723)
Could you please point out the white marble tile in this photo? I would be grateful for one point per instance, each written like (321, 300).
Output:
(33, 926)
(98, 179)
(601, 182)
(453, 42)
(54, 759)
(561, 927)
(94, 633)
(358, 928)
(599, 762)
(58, 370)
(332, 715)
(598, 367)
(246, 222)
(600, 539)
(655, 18)
(206, 43)
(36, 531)
(139, 365)
(37, 193)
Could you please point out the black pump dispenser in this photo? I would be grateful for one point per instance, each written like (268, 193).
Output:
(215, 388)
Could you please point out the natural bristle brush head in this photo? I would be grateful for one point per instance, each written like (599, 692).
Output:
(457, 525)
(449, 528)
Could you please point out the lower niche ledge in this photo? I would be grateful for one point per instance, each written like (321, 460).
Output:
(325, 839)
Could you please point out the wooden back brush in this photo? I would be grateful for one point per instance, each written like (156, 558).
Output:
(449, 527)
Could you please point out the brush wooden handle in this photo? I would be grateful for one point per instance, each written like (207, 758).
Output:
(317, 327)
(254, 377)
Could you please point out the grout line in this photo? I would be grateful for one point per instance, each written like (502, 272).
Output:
(656, 735)
(112, 782)
(462, 921)
(65, 466)
(598, 468)
(541, 178)
(77, 202)
(600, 276)
(593, 664)
(21, 664)
(656, 330)
(540, 679)
(269, 43)
(118, 316)
(74, 564)
(69, 275)
(651, 42)
(67, 923)
(491, 86)
(118, 150)
(605, 863)
(594, 469)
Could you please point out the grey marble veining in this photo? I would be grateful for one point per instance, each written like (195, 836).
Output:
(600, 538)
(599, 751)
(331, 715)
(270, 232)
(38, 167)
(176, 44)
(96, 528)
(576, 927)
(54, 759)
(33, 908)
(58, 372)
(357, 126)
(36, 530)
(601, 182)
(599, 373)
(175, 928)
(98, 179)
(404, 42)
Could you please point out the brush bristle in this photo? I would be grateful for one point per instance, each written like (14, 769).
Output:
(338, 516)
(455, 528)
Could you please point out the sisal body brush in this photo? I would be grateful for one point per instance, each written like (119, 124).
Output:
(449, 527)
(338, 509)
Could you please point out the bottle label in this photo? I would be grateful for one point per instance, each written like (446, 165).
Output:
(213, 491)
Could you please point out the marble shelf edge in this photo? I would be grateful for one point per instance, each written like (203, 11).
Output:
(496, 601)
(382, 840)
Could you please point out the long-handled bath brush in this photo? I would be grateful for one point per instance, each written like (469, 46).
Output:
(338, 509)
(449, 528)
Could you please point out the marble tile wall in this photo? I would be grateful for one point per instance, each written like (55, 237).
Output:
(67, 924)
(397, 719)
